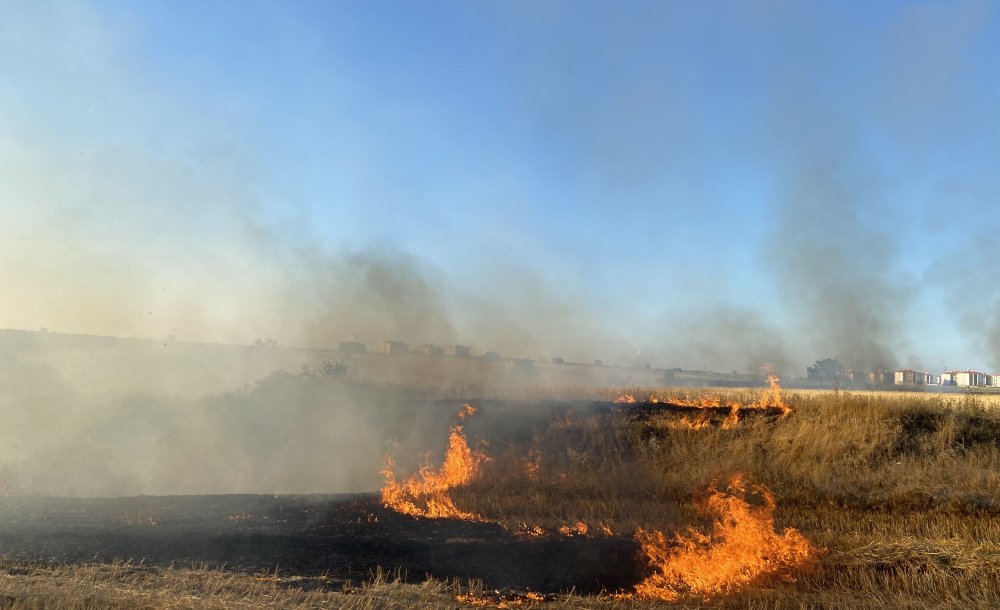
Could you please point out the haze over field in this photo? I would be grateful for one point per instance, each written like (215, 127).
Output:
(717, 185)
(547, 302)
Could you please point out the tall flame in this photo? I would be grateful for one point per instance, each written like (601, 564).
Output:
(532, 464)
(741, 546)
(425, 493)
(772, 396)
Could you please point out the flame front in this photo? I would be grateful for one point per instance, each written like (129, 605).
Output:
(770, 398)
(499, 599)
(741, 547)
(578, 529)
(425, 494)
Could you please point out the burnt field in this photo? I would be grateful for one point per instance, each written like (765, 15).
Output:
(340, 538)
(740, 499)
(347, 537)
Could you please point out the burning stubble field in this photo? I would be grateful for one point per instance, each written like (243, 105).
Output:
(614, 499)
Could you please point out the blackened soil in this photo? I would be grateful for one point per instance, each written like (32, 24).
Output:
(343, 537)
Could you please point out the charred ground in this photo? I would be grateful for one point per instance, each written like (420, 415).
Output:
(348, 537)
(344, 539)
(899, 493)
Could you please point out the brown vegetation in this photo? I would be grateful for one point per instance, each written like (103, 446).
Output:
(901, 491)
(896, 497)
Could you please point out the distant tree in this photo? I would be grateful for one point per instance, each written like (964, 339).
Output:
(827, 369)
(327, 370)
(336, 371)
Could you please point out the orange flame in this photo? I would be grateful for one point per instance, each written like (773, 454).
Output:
(498, 599)
(771, 398)
(741, 547)
(533, 465)
(533, 531)
(578, 529)
(425, 494)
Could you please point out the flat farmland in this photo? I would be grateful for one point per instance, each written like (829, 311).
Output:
(845, 499)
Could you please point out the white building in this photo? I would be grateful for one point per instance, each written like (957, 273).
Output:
(970, 378)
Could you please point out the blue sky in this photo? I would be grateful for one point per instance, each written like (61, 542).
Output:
(585, 176)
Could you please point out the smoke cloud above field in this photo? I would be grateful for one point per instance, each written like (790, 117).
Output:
(833, 258)
(120, 230)
(651, 184)
(87, 416)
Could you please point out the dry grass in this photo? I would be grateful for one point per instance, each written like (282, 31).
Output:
(863, 450)
(136, 587)
(902, 491)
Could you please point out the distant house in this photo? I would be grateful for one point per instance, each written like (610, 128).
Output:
(395, 348)
(491, 356)
(350, 348)
(558, 360)
(431, 350)
(912, 377)
(881, 377)
(460, 351)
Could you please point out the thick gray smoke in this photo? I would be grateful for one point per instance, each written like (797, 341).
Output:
(96, 416)
(724, 339)
(970, 281)
(136, 211)
(833, 262)
(377, 295)
(371, 297)
(130, 241)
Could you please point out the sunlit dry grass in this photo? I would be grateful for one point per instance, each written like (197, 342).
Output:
(135, 587)
(901, 492)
